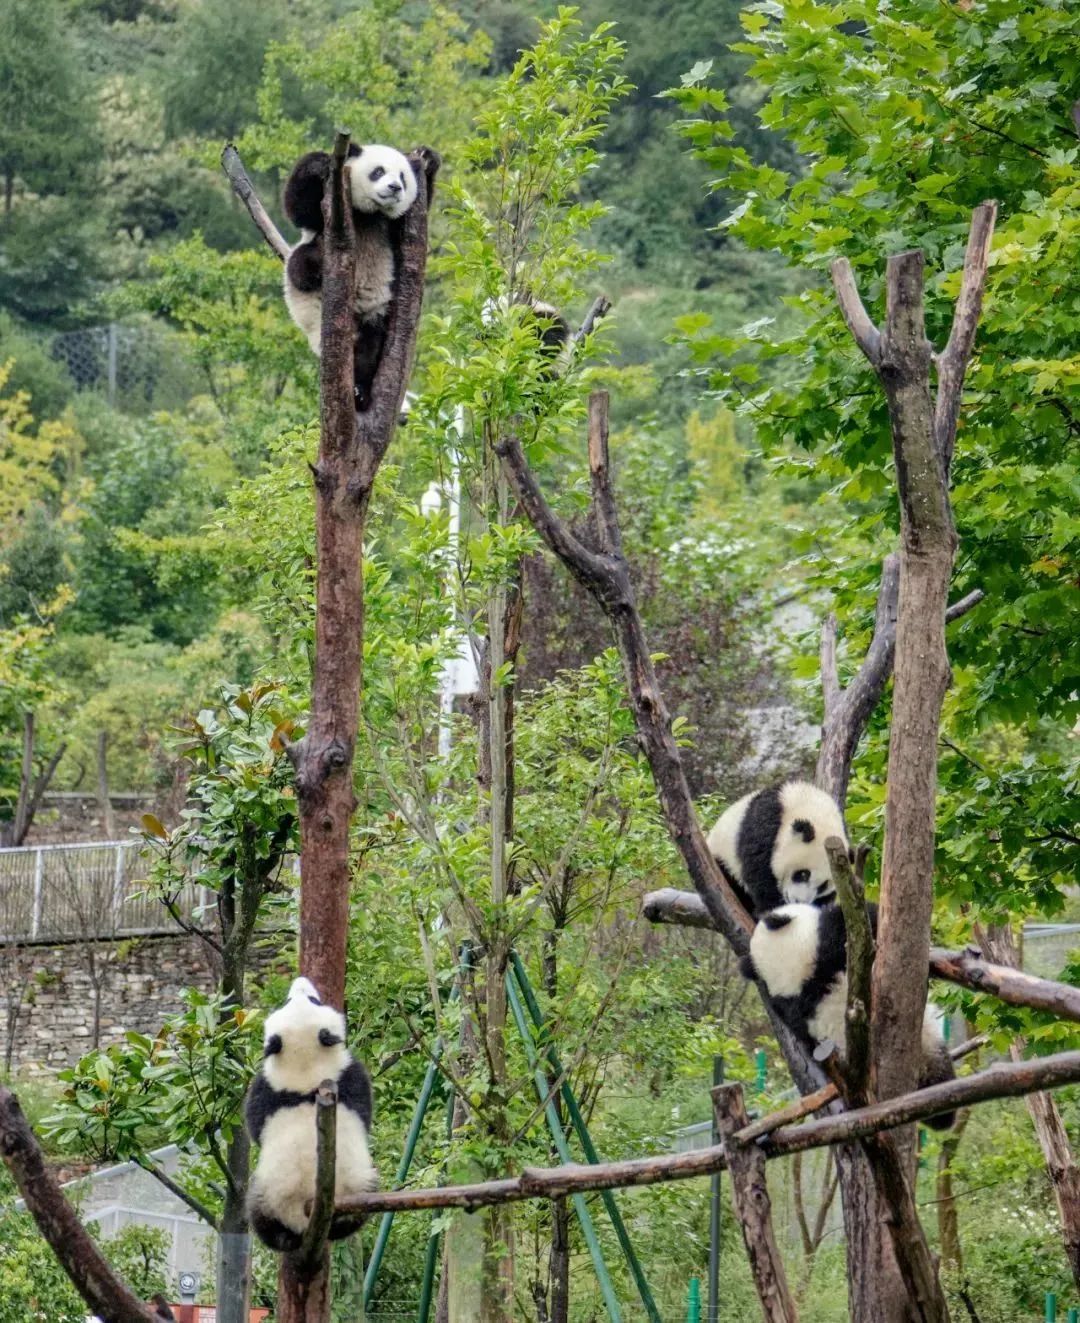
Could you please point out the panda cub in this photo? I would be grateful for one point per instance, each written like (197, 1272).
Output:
(799, 952)
(383, 186)
(771, 845)
(304, 1044)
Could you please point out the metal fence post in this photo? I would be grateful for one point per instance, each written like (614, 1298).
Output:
(39, 871)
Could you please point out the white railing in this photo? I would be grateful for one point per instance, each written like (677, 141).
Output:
(91, 889)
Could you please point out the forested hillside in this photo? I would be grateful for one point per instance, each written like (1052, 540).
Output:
(703, 164)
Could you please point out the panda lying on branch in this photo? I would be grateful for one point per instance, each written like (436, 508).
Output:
(304, 1044)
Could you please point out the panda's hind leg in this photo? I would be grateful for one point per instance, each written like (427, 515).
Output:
(367, 353)
(271, 1232)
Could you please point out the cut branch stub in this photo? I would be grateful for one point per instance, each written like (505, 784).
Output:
(312, 1252)
(860, 959)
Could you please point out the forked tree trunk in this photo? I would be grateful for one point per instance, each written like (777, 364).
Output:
(351, 448)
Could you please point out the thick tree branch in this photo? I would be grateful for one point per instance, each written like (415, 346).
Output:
(351, 448)
(1002, 1080)
(245, 191)
(863, 331)
(753, 1209)
(69, 1240)
(969, 970)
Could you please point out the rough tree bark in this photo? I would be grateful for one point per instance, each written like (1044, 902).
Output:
(351, 448)
(104, 1293)
(605, 573)
(753, 1210)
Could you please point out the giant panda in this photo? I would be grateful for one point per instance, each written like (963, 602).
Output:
(799, 952)
(383, 186)
(304, 1044)
(771, 845)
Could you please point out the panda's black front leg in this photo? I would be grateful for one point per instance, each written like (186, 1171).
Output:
(367, 352)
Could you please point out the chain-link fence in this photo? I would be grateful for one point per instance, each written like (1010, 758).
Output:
(136, 366)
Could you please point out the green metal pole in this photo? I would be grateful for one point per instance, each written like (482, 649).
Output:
(386, 1222)
(558, 1135)
(1073, 1316)
(693, 1303)
(714, 1212)
(761, 1061)
(585, 1139)
(431, 1256)
(1051, 1307)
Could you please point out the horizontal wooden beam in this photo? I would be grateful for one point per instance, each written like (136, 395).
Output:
(1004, 1080)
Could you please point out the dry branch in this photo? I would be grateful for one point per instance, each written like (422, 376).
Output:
(244, 190)
(105, 1294)
(606, 575)
(308, 1257)
(968, 969)
(351, 448)
(1006, 1080)
(753, 1209)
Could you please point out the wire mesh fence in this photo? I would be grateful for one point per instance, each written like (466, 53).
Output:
(54, 893)
(134, 365)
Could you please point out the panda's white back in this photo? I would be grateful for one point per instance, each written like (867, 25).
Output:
(284, 1180)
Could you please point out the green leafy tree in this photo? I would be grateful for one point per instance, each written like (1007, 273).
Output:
(905, 121)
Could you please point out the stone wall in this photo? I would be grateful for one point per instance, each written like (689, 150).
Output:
(47, 996)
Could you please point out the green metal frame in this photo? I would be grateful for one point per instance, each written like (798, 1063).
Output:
(517, 982)
(585, 1139)
(558, 1135)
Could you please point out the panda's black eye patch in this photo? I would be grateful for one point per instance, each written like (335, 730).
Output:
(314, 1000)
(376, 174)
(328, 1038)
(401, 176)
(272, 1046)
(775, 921)
(801, 875)
(804, 829)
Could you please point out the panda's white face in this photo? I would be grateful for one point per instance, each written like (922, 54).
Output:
(799, 863)
(802, 867)
(381, 179)
(303, 1041)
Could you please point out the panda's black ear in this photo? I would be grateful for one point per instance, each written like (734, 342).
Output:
(272, 1046)
(775, 920)
(746, 967)
(328, 1038)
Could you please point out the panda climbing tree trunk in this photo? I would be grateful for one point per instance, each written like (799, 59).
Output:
(351, 449)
